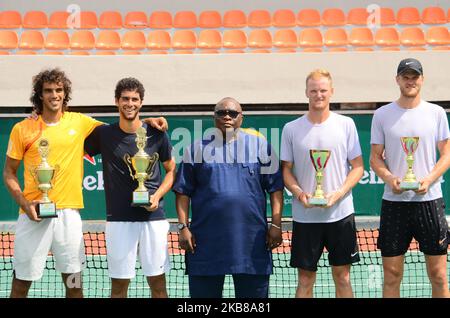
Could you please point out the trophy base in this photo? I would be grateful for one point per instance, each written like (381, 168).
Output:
(409, 185)
(46, 210)
(140, 199)
(317, 201)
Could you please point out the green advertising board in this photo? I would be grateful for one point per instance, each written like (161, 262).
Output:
(183, 130)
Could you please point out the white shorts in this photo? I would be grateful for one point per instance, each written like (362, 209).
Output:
(124, 239)
(63, 236)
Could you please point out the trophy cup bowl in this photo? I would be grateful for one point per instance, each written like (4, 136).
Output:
(44, 174)
(409, 145)
(142, 164)
(319, 159)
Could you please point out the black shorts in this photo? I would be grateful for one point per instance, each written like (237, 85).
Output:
(401, 221)
(309, 240)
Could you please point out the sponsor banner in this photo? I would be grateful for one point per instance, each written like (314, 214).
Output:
(183, 131)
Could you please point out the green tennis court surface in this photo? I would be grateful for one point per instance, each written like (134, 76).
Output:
(366, 275)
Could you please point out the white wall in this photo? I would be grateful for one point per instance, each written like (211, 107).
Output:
(204, 79)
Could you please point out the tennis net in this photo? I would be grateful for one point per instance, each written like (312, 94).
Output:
(366, 276)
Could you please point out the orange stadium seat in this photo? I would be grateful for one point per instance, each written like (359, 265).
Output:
(108, 40)
(333, 17)
(58, 20)
(53, 53)
(438, 36)
(310, 38)
(82, 53)
(235, 51)
(361, 37)
(286, 50)
(10, 20)
(131, 53)
(260, 51)
(209, 39)
(434, 15)
(184, 39)
(285, 39)
(57, 40)
(364, 49)
(335, 37)
(209, 51)
(308, 17)
(185, 20)
(183, 52)
(88, 20)
(357, 16)
(259, 19)
(31, 39)
(234, 19)
(337, 49)
(441, 48)
(284, 18)
(35, 20)
(234, 39)
(133, 40)
(159, 40)
(110, 20)
(312, 50)
(4, 52)
(135, 20)
(387, 16)
(412, 37)
(387, 37)
(82, 40)
(26, 52)
(210, 19)
(160, 20)
(105, 53)
(260, 39)
(390, 48)
(8, 39)
(408, 15)
(157, 52)
(416, 48)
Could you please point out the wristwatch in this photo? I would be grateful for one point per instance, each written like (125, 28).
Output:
(181, 226)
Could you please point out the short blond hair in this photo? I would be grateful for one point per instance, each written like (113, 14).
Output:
(319, 73)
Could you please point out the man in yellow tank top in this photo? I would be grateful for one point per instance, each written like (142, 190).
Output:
(35, 237)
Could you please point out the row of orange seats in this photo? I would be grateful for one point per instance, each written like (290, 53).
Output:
(212, 51)
(213, 19)
(232, 39)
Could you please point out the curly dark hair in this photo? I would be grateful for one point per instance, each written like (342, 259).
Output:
(50, 76)
(129, 84)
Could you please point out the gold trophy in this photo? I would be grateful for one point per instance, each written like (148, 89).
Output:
(142, 165)
(44, 174)
(319, 159)
(409, 145)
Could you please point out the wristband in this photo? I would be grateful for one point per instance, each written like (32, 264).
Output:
(276, 226)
